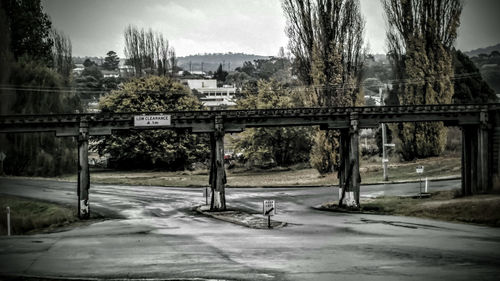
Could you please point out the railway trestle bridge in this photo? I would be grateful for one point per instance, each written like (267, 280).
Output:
(480, 125)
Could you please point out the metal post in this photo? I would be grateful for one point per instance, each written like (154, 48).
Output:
(384, 140)
(420, 187)
(8, 221)
(384, 153)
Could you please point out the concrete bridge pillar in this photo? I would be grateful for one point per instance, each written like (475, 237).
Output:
(217, 171)
(83, 171)
(350, 159)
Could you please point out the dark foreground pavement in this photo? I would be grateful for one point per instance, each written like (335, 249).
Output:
(161, 236)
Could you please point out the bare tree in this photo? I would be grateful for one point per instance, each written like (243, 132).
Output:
(132, 48)
(61, 53)
(147, 51)
(326, 38)
(300, 33)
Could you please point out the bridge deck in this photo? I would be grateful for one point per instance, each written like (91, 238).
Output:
(238, 120)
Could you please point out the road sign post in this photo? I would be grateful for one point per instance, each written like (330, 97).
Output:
(269, 209)
(420, 171)
(206, 194)
(8, 221)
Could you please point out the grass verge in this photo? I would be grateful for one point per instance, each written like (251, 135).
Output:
(29, 216)
(371, 172)
(442, 205)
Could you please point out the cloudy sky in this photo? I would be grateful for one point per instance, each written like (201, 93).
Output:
(219, 26)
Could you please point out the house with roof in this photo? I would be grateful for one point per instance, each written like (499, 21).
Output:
(211, 95)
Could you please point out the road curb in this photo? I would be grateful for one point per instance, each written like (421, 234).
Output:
(245, 186)
(242, 218)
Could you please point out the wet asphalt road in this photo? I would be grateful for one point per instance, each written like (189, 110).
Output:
(159, 236)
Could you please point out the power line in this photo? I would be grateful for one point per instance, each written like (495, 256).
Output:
(333, 86)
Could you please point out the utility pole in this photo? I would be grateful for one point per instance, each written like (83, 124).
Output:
(202, 67)
(384, 140)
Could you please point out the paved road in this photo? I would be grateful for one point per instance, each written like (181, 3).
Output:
(159, 236)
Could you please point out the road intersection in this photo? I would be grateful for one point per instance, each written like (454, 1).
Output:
(157, 234)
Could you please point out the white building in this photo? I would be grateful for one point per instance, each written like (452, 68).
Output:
(78, 69)
(213, 96)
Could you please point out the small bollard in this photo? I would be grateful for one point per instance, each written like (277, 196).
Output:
(426, 184)
(8, 221)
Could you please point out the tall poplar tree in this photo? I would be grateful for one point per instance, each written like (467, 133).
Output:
(420, 37)
(326, 39)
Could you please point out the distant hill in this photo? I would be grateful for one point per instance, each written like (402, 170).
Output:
(211, 62)
(486, 50)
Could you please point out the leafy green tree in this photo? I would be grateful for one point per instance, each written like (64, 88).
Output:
(89, 84)
(6, 61)
(220, 75)
(111, 61)
(247, 68)
(93, 71)
(420, 36)
(469, 86)
(323, 154)
(171, 150)
(29, 30)
(26, 49)
(88, 63)
(110, 83)
(238, 79)
(39, 154)
(489, 66)
(273, 146)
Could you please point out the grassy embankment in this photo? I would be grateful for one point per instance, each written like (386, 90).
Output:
(28, 216)
(442, 205)
(371, 172)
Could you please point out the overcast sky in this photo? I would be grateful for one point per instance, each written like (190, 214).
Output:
(220, 26)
